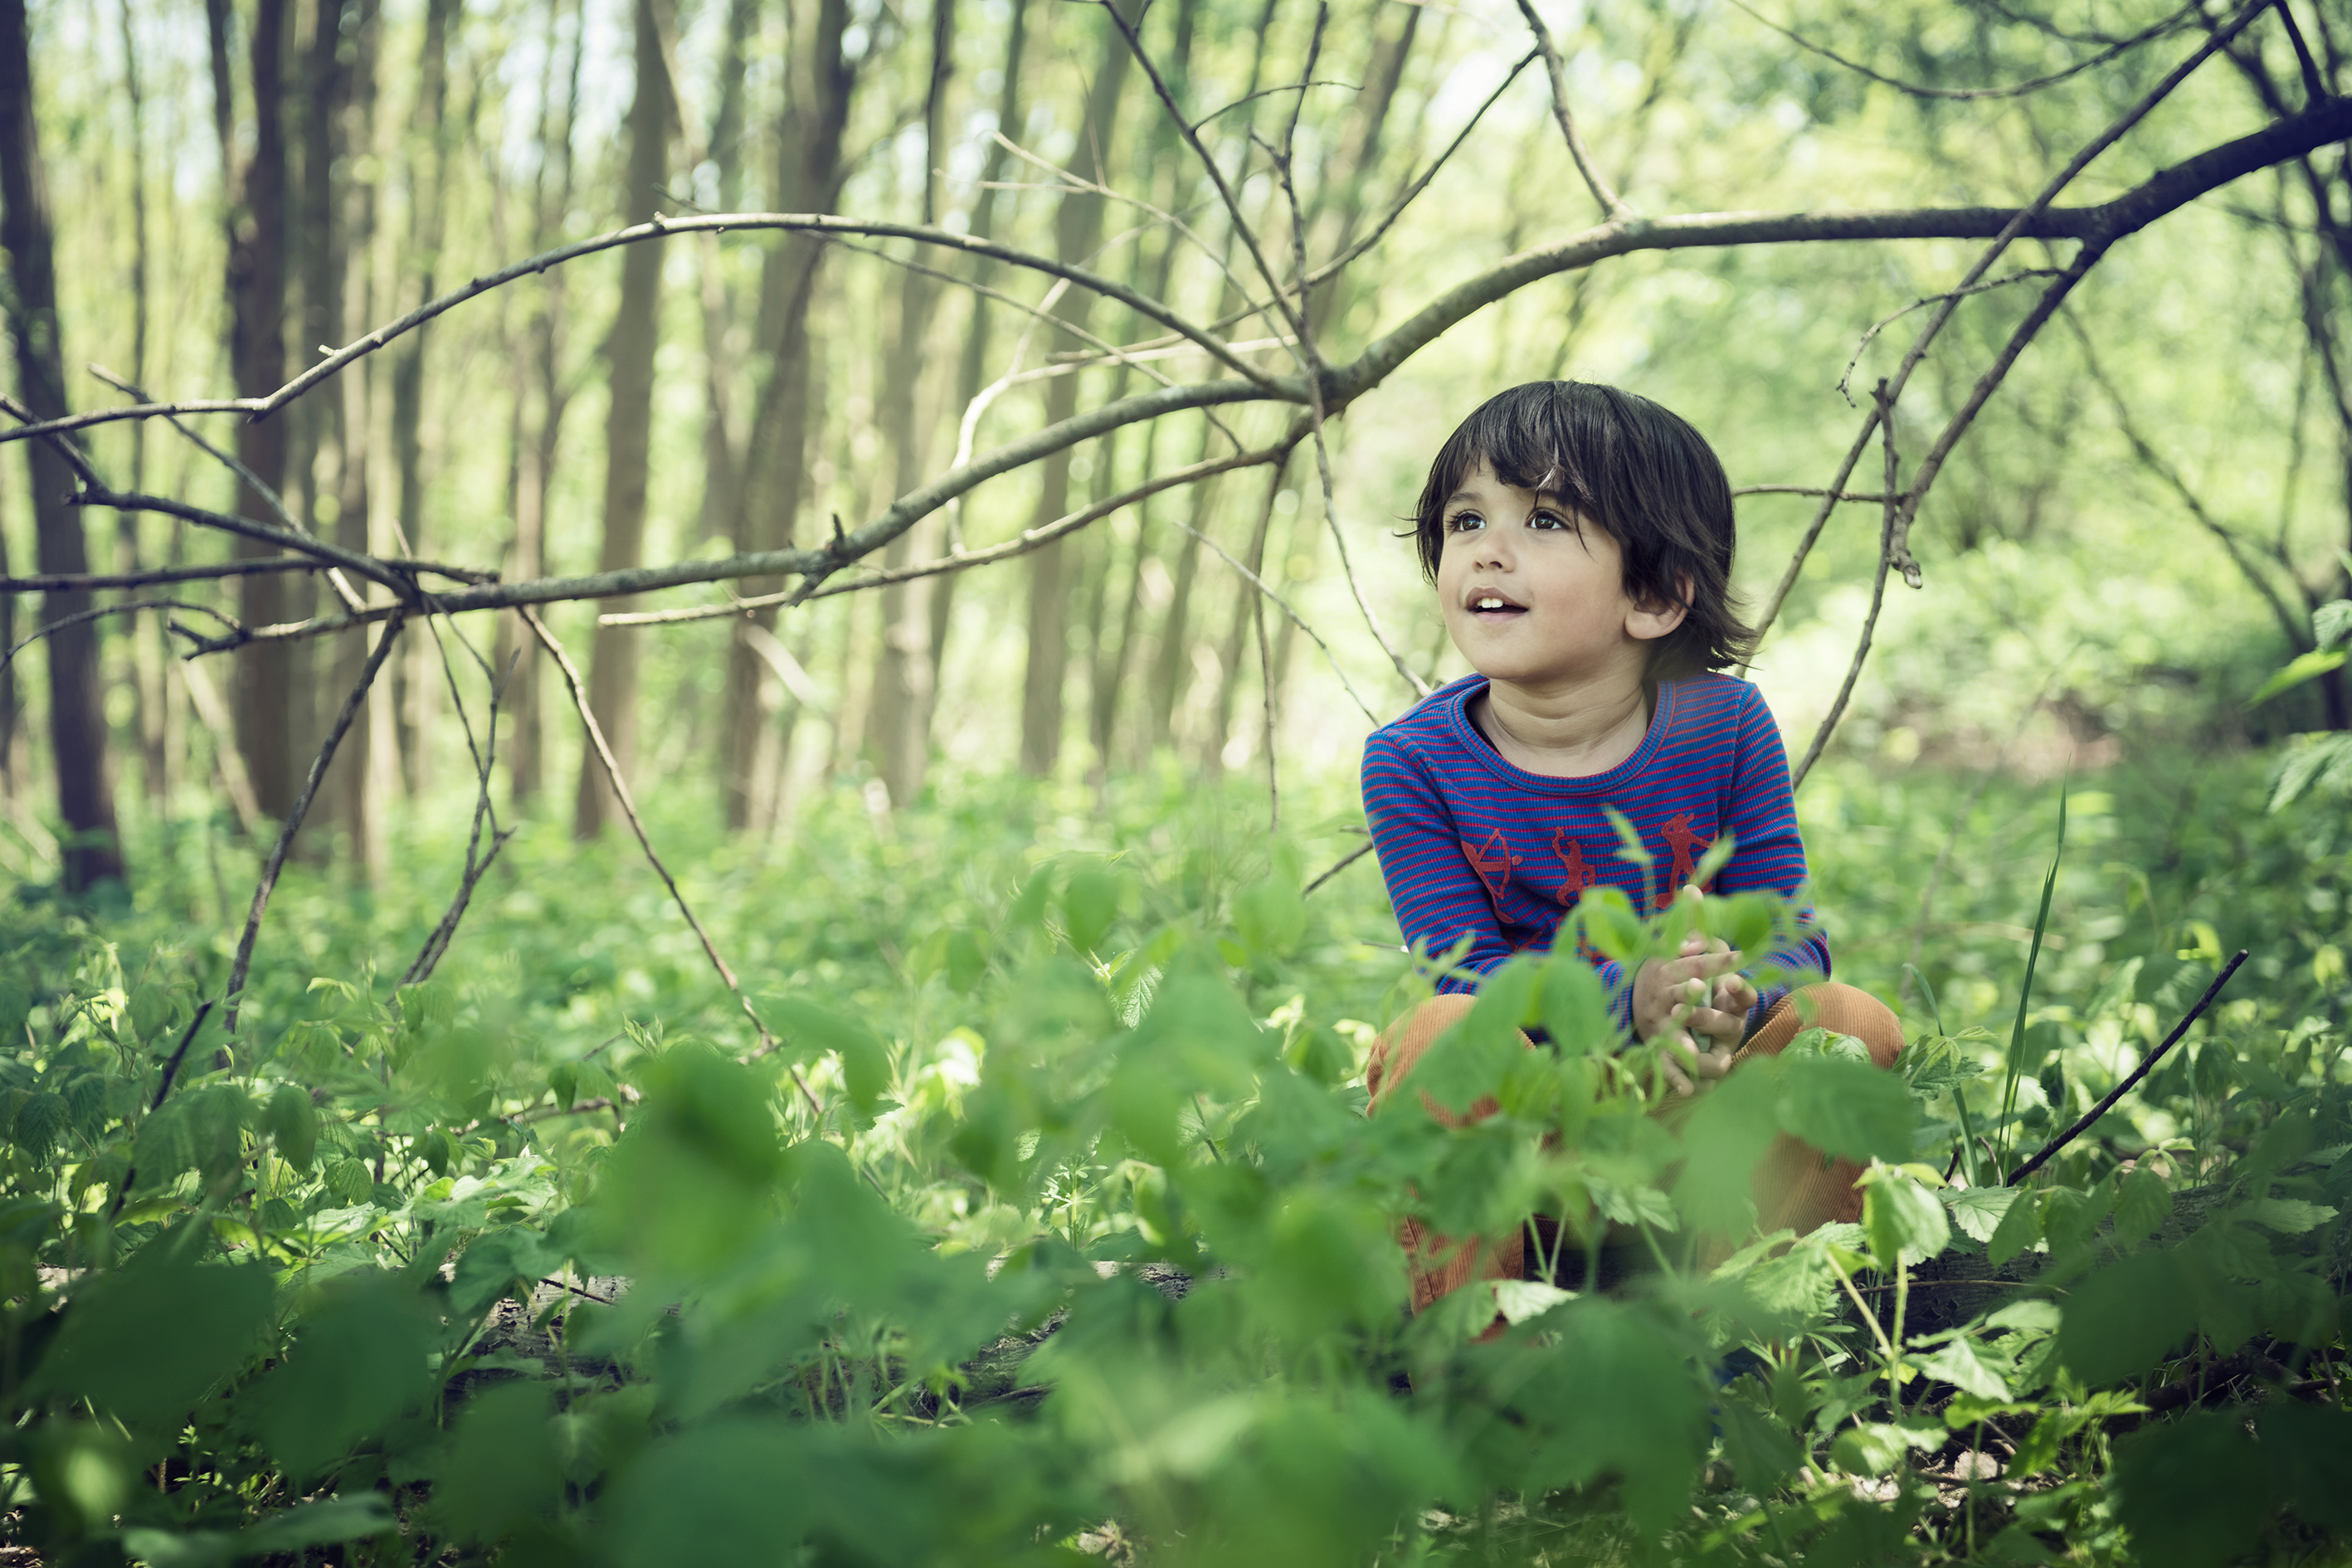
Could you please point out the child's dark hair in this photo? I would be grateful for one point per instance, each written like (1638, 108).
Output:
(1639, 471)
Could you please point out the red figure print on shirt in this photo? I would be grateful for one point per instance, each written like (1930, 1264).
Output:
(1493, 864)
(1571, 860)
(1682, 841)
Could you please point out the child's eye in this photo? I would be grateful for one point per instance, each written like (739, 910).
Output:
(1464, 522)
(1547, 517)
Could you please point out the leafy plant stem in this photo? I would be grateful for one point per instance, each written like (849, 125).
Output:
(1878, 1330)
(2025, 993)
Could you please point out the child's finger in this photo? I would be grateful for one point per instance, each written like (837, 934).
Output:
(1673, 1071)
(1723, 1028)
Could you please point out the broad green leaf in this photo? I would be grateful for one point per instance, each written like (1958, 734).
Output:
(865, 1061)
(145, 1342)
(1271, 916)
(1978, 1211)
(1520, 1299)
(2332, 622)
(1574, 1006)
(1089, 904)
(150, 1010)
(1875, 1447)
(2020, 1229)
(1958, 1364)
(2195, 1490)
(1609, 924)
(1726, 1134)
(501, 1470)
(2288, 1216)
(292, 1121)
(2295, 671)
(1845, 1109)
(1762, 1451)
(358, 1361)
(2307, 1452)
(2142, 1205)
(2124, 1319)
(15, 1007)
(1904, 1221)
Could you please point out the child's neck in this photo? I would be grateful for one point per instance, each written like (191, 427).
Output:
(1568, 732)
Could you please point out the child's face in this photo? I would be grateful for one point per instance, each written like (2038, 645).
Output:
(1534, 593)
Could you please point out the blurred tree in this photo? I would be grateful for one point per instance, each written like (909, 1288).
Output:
(78, 737)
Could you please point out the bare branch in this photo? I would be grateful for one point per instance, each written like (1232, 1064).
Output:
(2157, 29)
(253, 481)
(477, 864)
(1349, 858)
(1893, 507)
(1877, 327)
(1296, 618)
(84, 582)
(1872, 498)
(234, 992)
(603, 753)
(368, 566)
(1299, 87)
(1612, 205)
(962, 560)
(83, 617)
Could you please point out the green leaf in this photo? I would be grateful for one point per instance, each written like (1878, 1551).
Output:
(351, 1181)
(1271, 916)
(40, 1126)
(2332, 622)
(359, 1361)
(2142, 1205)
(1762, 1451)
(1845, 1109)
(1520, 1299)
(1958, 1364)
(1574, 1006)
(2307, 1451)
(15, 1007)
(502, 1469)
(1875, 1447)
(2124, 1319)
(2295, 671)
(1978, 1211)
(150, 1010)
(1725, 1137)
(865, 1061)
(1904, 1221)
(1090, 904)
(292, 1121)
(2288, 1216)
(2195, 1492)
(145, 1342)
(1610, 925)
(2020, 1229)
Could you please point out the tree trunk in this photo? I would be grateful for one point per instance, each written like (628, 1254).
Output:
(551, 199)
(721, 462)
(1236, 646)
(141, 637)
(1077, 232)
(257, 290)
(973, 373)
(899, 719)
(93, 851)
(417, 684)
(612, 678)
(808, 179)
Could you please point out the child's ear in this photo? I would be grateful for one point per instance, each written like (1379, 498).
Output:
(1650, 619)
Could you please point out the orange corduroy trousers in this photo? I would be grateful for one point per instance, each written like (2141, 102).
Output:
(1795, 1188)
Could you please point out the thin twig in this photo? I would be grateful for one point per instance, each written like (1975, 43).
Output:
(80, 617)
(253, 481)
(2146, 1063)
(1871, 498)
(628, 805)
(962, 560)
(1612, 205)
(86, 581)
(378, 570)
(162, 1089)
(2155, 30)
(477, 864)
(1297, 620)
(1349, 858)
(1885, 413)
(1846, 379)
(234, 992)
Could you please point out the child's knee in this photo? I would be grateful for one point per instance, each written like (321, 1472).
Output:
(1403, 1043)
(1841, 1010)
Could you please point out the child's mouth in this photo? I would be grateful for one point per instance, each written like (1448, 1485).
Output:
(1494, 607)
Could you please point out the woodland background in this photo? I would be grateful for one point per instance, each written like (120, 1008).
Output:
(985, 957)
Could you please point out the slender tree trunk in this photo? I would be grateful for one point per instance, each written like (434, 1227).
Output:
(256, 288)
(613, 680)
(93, 851)
(808, 180)
(1077, 232)
(1233, 656)
(357, 798)
(973, 373)
(899, 717)
(416, 682)
(721, 463)
(551, 199)
(141, 638)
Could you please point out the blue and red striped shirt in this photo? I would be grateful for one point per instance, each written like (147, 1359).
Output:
(1471, 845)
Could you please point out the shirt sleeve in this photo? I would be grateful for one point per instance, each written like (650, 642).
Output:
(1438, 898)
(1768, 855)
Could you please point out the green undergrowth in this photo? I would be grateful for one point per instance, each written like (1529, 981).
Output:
(1044, 1056)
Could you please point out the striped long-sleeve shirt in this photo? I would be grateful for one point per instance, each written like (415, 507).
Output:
(1471, 845)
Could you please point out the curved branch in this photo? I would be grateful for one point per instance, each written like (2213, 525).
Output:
(327, 554)
(2172, 23)
(1612, 205)
(82, 618)
(962, 560)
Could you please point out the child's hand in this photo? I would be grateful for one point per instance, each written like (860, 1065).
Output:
(1671, 997)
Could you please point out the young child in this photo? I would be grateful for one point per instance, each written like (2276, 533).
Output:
(1580, 539)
